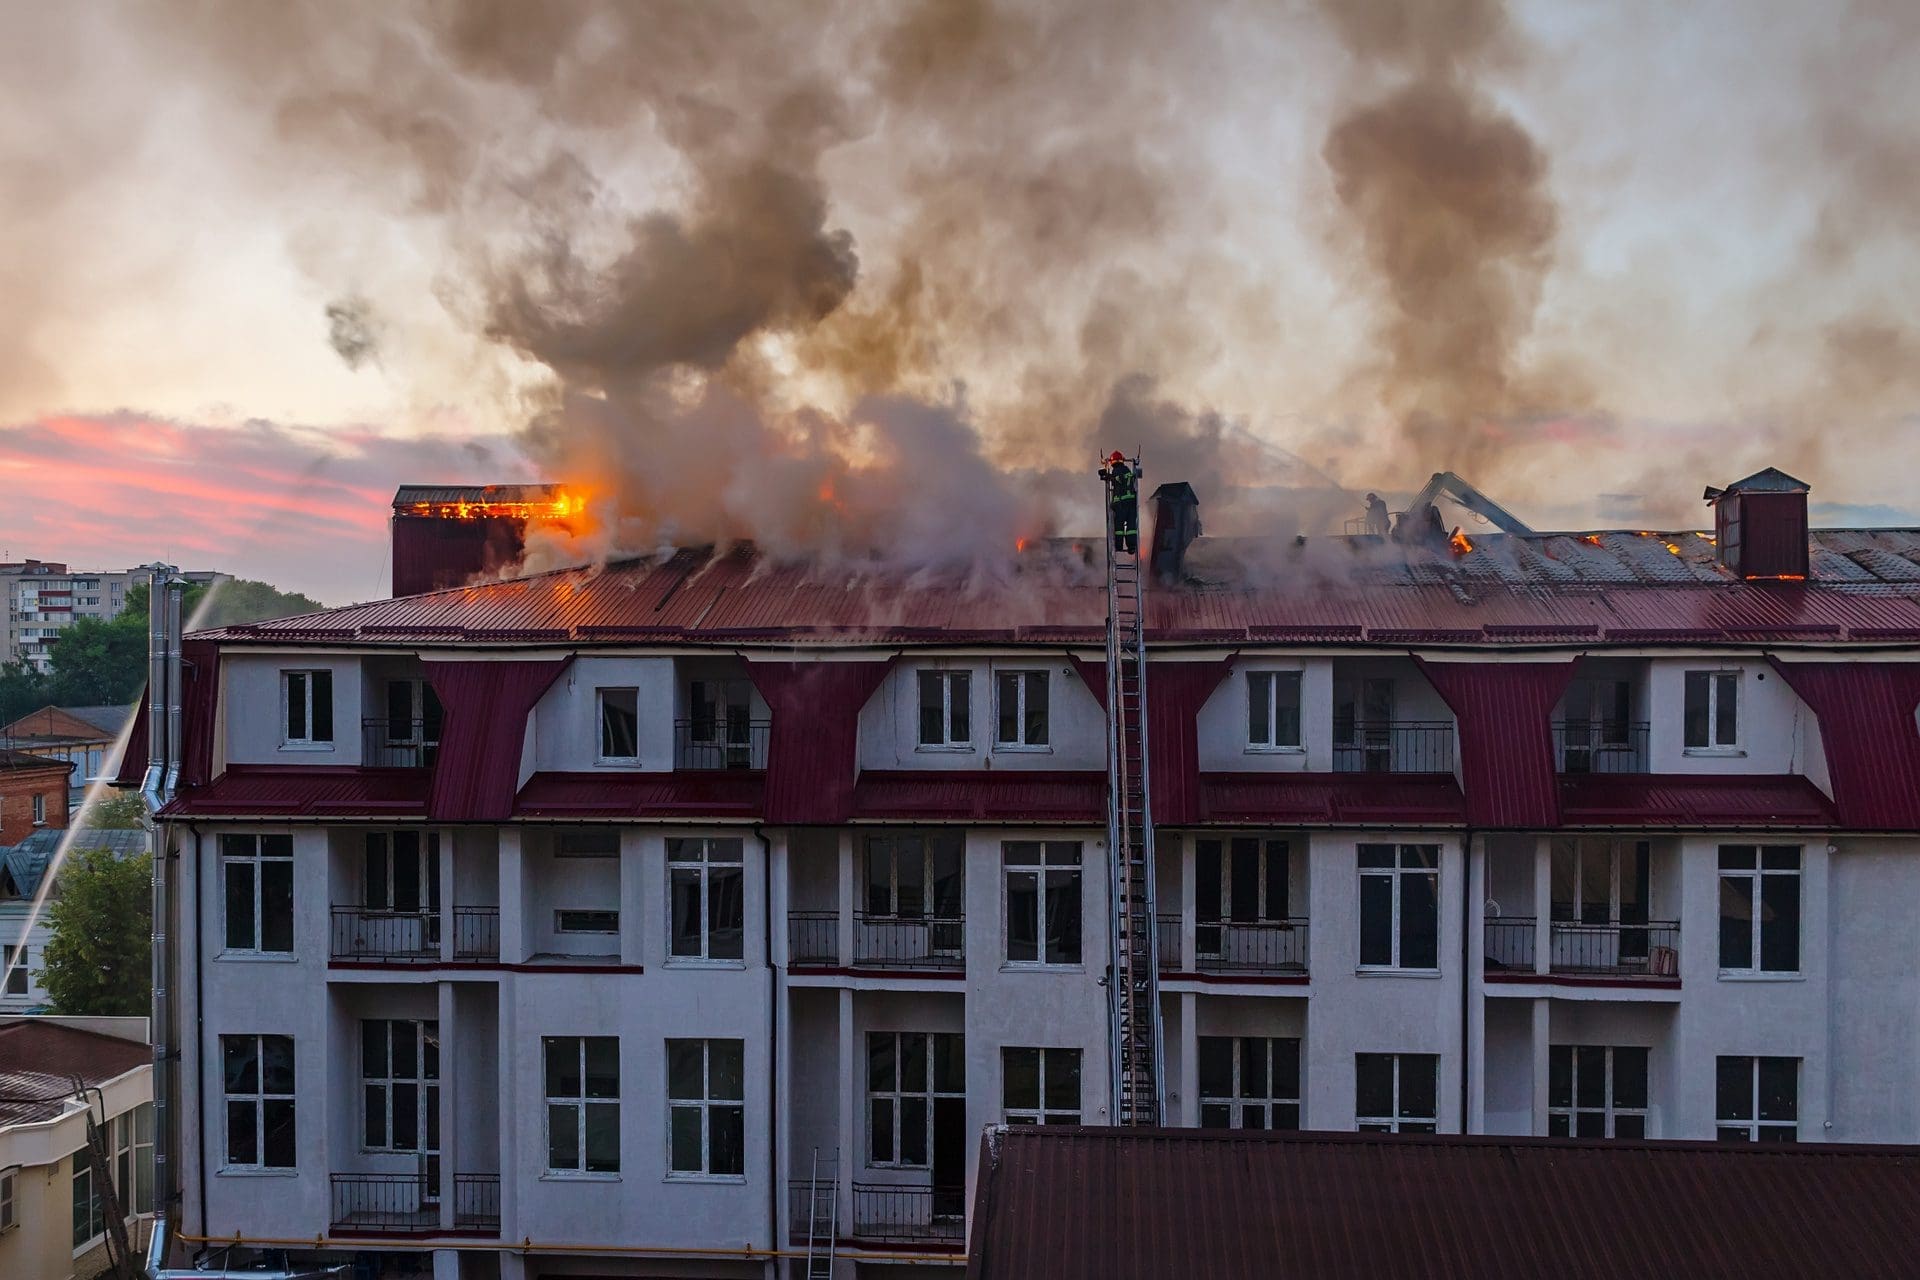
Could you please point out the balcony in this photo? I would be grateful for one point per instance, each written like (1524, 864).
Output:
(1599, 746)
(883, 1214)
(476, 1203)
(1244, 947)
(409, 1203)
(879, 942)
(398, 744)
(362, 933)
(476, 933)
(1578, 949)
(720, 744)
(1396, 746)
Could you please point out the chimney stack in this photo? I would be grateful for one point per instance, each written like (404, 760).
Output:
(1760, 526)
(448, 535)
(1176, 523)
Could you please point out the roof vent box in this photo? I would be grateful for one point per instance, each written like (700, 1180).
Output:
(1760, 526)
(1176, 523)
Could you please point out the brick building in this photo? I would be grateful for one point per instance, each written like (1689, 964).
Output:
(33, 794)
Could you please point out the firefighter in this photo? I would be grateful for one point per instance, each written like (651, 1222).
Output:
(1377, 518)
(1123, 492)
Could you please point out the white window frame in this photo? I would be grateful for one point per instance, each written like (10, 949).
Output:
(96, 1210)
(258, 861)
(39, 809)
(600, 753)
(1273, 680)
(1040, 1113)
(1238, 1099)
(701, 871)
(580, 1103)
(1756, 921)
(947, 678)
(894, 1098)
(1715, 677)
(258, 1100)
(1398, 871)
(560, 925)
(1753, 1126)
(13, 959)
(1021, 679)
(426, 1086)
(9, 1185)
(1398, 1123)
(1219, 850)
(706, 1104)
(306, 742)
(1609, 1110)
(1039, 871)
(141, 1201)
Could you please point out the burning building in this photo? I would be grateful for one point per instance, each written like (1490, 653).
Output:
(730, 900)
(447, 535)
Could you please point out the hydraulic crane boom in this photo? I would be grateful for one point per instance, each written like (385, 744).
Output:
(1133, 995)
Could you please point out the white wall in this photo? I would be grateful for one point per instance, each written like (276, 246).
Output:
(566, 720)
(890, 724)
(255, 719)
(1777, 732)
(1223, 720)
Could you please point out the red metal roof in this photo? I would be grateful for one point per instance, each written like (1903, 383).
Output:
(1120, 1204)
(719, 793)
(477, 770)
(1175, 693)
(1503, 711)
(1725, 801)
(1870, 736)
(813, 746)
(1012, 795)
(299, 791)
(1331, 799)
(1620, 588)
(39, 1061)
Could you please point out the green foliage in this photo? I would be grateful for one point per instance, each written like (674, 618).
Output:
(241, 600)
(97, 664)
(117, 811)
(98, 962)
(22, 690)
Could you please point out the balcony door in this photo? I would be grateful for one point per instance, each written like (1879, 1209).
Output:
(412, 733)
(1601, 888)
(1363, 721)
(401, 871)
(918, 877)
(1598, 723)
(720, 721)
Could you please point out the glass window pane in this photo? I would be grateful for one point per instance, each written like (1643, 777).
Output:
(1037, 717)
(1590, 1124)
(1696, 708)
(1007, 703)
(406, 1117)
(880, 1137)
(563, 1066)
(603, 1137)
(932, 709)
(276, 906)
(602, 1067)
(1216, 1067)
(1419, 1084)
(1286, 1068)
(1560, 1075)
(1207, 883)
(1779, 1088)
(240, 935)
(405, 1050)
(1733, 1089)
(686, 1140)
(1259, 708)
(1376, 855)
(1284, 1116)
(277, 1146)
(1253, 1067)
(1373, 1084)
(1023, 916)
(1063, 1079)
(276, 1057)
(1775, 857)
(1736, 922)
(296, 706)
(323, 706)
(1630, 1127)
(726, 912)
(1244, 883)
(686, 1069)
(1630, 1077)
(1780, 923)
(1214, 1116)
(243, 1136)
(1590, 1076)
(949, 1064)
(960, 705)
(684, 890)
(726, 1075)
(563, 1136)
(729, 1140)
(913, 1063)
(1376, 919)
(1286, 710)
(1063, 917)
(880, 1062)
(913, 1131)
(1559, 1125)
(1726, 702)
(1020, 1079)
(430, 1050)
(1419, 922)
(373, 1048)
(1738, 857)
(374, 1108)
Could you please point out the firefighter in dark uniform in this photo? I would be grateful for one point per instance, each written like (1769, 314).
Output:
(1123, 491)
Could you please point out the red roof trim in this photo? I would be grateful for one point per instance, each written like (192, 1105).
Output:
(1869, 733)
(477, 771)
(1504, 714)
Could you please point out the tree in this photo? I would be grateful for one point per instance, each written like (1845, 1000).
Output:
(22, 689)
(235, 601)
(98, 962)
(97, 664)
(117, 811)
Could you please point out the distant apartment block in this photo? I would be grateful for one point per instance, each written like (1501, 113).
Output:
(43, 598)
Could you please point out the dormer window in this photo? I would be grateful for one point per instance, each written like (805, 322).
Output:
(1273, 710)
(1022, 716)
(307, 700)
(620, 725)
(946, 710)
(1712, 711)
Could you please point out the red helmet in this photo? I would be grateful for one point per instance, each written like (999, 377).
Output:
(1116, 456)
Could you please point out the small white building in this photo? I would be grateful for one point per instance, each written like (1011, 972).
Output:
(54, 1206)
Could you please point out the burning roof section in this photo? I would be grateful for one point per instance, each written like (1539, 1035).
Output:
(1622, 587)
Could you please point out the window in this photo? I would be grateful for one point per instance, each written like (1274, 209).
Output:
(307, 697)
(39, 811)
(400, 1085)
(414, 717)
(587, 842)
(1021, 698)
(1249, 1082)
(9, 1217)
(89, 1209)
(946, 709)
(1712, 710)
(620, 724)
(906, 1072)
(257, 872)
(1600, 881)
(706, 1111)
(16, 966)
(1396, 1092)
(1759, 908)
(1757, 1099)
(258, 1072)
(1040, 1086)
(1043, 901)
(132, 1136)
(1273, 710)
(1400, 906)
(400, 874)
(705, 887)
(581, 920)
(1242, 880)
(583, 1103)
(1596, 1091)
(916, 874)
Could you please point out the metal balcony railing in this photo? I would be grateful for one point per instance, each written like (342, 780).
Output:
(922, 942)
(720, 744)
(361, 933)
(386, 1203)
(476, 1202)
(398, 744)
(908, 1215)
(1250, 946)
(1599, 746)
(1608, 949)
(1393, 746)
(813, 937)
(1172, 957)
(476, 933)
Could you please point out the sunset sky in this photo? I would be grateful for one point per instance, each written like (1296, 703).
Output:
(1730, 277)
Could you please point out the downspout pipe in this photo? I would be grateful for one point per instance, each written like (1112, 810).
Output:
(774, 1173)
(1470, 889)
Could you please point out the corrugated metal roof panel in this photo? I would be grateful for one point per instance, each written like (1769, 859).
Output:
(1331, 799)
(983, 796)
(1725, 801)
(813, 745)
(265, 790)
(718, 793)
(40, 1060)
(1504, 712)
(1870, 736)
(477, 769)
(1134, 1204)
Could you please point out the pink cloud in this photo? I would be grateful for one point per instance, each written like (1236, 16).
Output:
(303, 508)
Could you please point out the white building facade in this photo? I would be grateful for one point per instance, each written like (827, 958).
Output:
(608, 947)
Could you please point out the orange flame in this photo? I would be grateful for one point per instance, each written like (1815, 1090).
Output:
(1591, 539)
(1460, 543)
(1019, 544)
(1674, 547)
(562, 506)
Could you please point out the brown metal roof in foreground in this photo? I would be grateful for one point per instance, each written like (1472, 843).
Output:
(1059, 1204)
(39, 1061)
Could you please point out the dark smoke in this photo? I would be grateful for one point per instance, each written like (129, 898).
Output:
(353, 331)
